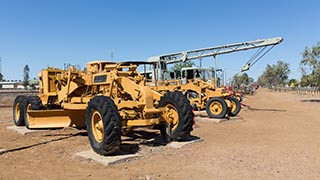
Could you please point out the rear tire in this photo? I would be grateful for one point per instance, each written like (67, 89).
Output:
(33, 103)
(18, 110)
(238, 97)
(103, 125)
(181, 116)
(236, 106)
(216, 108)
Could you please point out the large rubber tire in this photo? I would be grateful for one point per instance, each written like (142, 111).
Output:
(178, 104)
(216, 107)
(238, 97)
(236, 106)
(33, 103)
(19, 105)
(103, 125)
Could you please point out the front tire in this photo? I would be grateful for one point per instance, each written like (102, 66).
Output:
(103, 125)
(236, 106)
(178, 115)
(216, 108)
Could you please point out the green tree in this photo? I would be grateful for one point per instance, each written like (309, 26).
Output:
(293, 82)
(238, 80)
(310, 66)
(26, 76)
(178, 66)
(275, 75)
(1, 77)
(266, 79)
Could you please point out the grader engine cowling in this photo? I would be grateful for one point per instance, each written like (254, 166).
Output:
(108, 99)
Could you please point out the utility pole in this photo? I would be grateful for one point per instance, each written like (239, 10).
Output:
(215, 71)
(111, 56)
(1, 65)
(225, 76)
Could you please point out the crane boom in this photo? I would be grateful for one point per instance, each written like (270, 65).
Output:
(214, 51)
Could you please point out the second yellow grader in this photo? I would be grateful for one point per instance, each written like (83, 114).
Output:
(200, 84)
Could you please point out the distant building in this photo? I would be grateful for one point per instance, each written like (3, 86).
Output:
(11, 85)
(17, 84)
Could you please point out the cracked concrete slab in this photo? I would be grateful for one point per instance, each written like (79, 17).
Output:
(123, 157)
(106, 160)
(216, 120)
(203, 117)
(188, 140)
(23, 130)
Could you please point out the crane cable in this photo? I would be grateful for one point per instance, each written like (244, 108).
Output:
(258, 55)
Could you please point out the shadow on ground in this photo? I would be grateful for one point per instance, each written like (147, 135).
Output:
(5, 106)
(65, 136)
(132, 141)
(311, 100)
(129, 145)
(266, 109)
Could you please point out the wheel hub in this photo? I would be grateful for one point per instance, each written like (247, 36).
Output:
(171, 116)
(216, 108)
(17, 112)
(97, 126)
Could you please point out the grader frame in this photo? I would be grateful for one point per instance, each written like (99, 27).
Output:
(108, 98)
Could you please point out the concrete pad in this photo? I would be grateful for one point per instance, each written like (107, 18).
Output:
(217, 120)
(188, 140)
(235, 118)
(200, 113)
(23, 130)
(106, 160)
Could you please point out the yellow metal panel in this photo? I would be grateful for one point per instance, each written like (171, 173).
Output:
(75, 106)
(85, 99)
(229, 104)
(143, 122)
(56, 118)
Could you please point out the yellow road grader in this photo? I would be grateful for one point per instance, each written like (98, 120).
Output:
(108, 99)
(198, 86)
(201, 88)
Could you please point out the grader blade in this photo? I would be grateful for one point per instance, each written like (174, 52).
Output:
(57, 118)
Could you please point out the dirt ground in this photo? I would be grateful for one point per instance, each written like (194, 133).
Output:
(277, 138)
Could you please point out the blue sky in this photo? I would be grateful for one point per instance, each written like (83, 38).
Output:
(44, 33)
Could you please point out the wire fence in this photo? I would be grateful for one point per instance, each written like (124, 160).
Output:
(313, 91)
